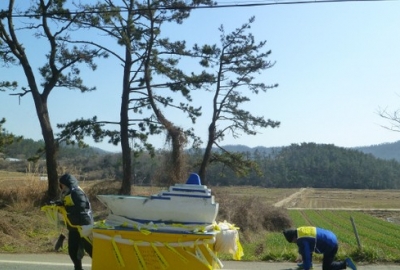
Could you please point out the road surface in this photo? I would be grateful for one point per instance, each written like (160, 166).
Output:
(53, 261)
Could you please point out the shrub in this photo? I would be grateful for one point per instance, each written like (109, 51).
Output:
(251, 214)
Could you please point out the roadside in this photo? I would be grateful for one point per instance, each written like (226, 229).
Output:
(62, 262)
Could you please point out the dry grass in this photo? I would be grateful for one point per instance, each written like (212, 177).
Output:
(354, 198)
(22, 195)
(23, 228)
(251, 213)
(267, 195)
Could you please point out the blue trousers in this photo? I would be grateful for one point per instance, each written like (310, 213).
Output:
(329, 263)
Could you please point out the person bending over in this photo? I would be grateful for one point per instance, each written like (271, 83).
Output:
(321, 241)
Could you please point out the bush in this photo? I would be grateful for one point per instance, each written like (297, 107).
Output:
(251, 214)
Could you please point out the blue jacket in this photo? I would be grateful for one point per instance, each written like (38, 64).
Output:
(313, 239)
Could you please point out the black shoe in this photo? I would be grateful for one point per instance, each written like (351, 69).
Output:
(59, 242)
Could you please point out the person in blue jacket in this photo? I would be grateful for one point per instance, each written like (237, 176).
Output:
(321, 241)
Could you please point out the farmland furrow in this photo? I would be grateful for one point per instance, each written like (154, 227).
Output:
(373, 238)
(339, 222)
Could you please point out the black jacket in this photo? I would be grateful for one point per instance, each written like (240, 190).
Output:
(76, 202)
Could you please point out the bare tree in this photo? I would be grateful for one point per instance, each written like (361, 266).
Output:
(393, 118)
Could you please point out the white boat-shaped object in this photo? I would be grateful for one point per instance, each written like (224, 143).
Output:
(190, 203)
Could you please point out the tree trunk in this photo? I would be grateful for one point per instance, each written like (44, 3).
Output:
(178, 160)
(51, 163)
(124, 126)
(126, 162)
(207, 154)
(50, 145)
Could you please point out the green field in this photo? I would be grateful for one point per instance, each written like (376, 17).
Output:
(375, 215)
(378, 238)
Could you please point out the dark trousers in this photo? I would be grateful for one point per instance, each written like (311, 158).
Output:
(76, 247)
(329, 263)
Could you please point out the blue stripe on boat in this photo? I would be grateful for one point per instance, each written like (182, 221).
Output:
(144, 221)
(186, 195)
(189, 190)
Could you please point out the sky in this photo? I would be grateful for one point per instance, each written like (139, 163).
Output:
(337, 65)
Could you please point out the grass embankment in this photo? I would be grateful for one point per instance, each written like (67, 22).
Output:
(25, 229)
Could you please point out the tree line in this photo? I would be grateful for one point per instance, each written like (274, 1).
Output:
(153, 78)
(294, 166)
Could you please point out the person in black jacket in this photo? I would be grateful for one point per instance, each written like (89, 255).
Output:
(79, 214)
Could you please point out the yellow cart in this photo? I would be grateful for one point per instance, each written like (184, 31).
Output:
(131, 249)
(141, 249)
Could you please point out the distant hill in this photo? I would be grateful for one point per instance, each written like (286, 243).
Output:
(387, 151)
(28, 147)
(296, 165)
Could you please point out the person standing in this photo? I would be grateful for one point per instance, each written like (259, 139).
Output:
(321, 241)
(79, 213)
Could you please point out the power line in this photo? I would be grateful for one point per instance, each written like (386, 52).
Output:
(270, 3)
(237, 4)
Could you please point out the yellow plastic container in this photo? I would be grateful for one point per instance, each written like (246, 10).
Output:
(131, 249)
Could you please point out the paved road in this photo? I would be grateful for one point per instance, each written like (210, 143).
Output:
(61, 262)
